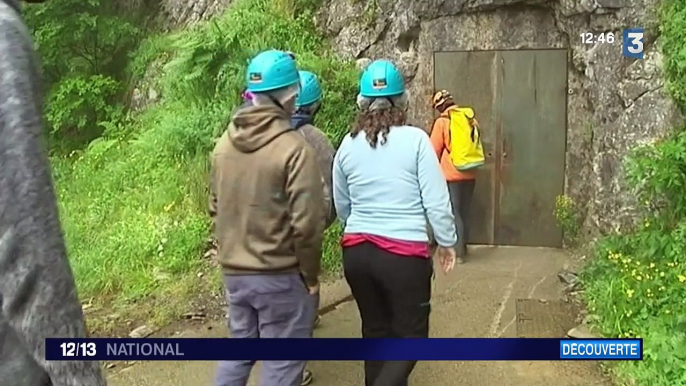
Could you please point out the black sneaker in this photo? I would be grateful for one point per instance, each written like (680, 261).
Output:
(307, 378)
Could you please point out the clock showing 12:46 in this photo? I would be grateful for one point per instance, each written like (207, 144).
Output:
(591, 38)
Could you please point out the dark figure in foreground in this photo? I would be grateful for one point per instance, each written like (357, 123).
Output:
(37, 291)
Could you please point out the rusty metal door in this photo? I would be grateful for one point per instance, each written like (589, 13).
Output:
(520, 101)
(469, 76)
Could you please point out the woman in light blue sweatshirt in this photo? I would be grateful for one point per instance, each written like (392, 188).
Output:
(387, 182)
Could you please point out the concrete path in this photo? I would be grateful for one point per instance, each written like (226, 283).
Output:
(476, 300)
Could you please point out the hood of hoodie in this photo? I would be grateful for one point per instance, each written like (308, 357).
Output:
(299, 120)
(253, 127)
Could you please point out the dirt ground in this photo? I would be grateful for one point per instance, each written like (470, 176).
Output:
(478, 299)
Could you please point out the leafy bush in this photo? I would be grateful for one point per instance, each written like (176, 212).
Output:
(83, 47)
(673, 30)
(567, 217)
(77, 103)
(134, 201)
(637, 283)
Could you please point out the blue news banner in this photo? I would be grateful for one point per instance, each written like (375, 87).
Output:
(335, 349)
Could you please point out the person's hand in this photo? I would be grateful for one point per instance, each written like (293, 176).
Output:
(313, 290)
(446, 258)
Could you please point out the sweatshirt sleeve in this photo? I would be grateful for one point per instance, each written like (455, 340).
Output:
(37, 291)
(325, 154)
(304, 187)
(437, 136)
(212, 200)
(435, 197)
(341, 195)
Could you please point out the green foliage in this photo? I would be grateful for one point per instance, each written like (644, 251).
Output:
(80, 36)
(83, 47)
(673, 31)
(77, 103)
(134, 201)
(637, 283)
(567, 217)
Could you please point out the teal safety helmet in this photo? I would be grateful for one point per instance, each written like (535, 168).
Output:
(310, 90)
(381, 79)
(271, 70)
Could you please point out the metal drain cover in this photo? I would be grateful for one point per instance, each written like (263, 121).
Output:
(544, 318)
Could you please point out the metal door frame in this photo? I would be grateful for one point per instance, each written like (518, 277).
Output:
(498, 149)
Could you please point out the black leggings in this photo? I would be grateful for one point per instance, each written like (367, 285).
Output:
(393, 295)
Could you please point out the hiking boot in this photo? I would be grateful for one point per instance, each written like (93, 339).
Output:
(460, 260)
(307, 378)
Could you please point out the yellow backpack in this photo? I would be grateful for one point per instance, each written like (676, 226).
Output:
(466, 150)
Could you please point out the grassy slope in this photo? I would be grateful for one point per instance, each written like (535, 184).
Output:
(133, 204)
(637, 283)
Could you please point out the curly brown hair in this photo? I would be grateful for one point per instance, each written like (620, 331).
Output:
(378, 121)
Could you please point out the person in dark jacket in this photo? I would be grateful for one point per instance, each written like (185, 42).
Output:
(308, 103)
(37, 291)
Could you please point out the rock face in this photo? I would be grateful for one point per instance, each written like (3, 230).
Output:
(614, 102)
(179, 13)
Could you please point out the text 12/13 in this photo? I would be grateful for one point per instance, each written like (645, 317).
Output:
(73, 349)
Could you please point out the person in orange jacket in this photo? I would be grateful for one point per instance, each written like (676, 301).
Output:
(460, 184)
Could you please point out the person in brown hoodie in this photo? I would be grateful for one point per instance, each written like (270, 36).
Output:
(264, 181)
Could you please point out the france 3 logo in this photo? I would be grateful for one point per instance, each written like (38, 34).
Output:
(632, 43)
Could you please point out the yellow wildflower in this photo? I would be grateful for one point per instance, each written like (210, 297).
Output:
(682, 278)
(668, 312)
(652, 265)
(629, 293)
(662, 274)
(639, 278)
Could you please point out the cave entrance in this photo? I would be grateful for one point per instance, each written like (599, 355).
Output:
(520, 98)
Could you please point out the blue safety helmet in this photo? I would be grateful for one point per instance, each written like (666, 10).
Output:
(381, 79)
(310, 90)
(271, 70)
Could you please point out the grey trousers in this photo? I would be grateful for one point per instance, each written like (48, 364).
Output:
(267, 306)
